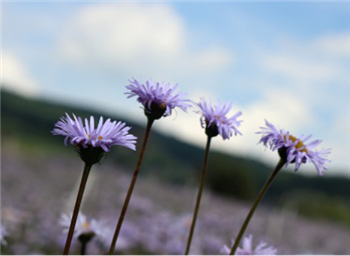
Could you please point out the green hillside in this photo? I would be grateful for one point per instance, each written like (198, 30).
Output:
(30, 122)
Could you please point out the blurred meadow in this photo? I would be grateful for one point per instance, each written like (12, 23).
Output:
(287, 62)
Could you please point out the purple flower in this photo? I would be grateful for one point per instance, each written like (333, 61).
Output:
(247, 248)
(292, 149)
(3, 234)
(104, 136)
(158, 99)
(215, 120)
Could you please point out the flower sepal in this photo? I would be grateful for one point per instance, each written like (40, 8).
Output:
(86, 237)
(282, 152)
(90, 155)
(211, 130)
(155, 111)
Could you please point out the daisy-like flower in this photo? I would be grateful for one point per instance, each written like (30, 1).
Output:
(85, 229)
(292, 149)
(92, 142)
(105, 135)
(215, 119)
(248, 249)
(3, 234)
(158, 99)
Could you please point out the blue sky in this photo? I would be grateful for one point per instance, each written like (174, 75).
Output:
(283, 61)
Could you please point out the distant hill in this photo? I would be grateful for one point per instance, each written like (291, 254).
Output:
(31, 121)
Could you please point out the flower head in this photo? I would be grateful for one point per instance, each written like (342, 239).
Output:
(158, 99)
(247, 248)
(216, 121)
(3, 234)
(85, 229)
(89, 139)
(292, 149)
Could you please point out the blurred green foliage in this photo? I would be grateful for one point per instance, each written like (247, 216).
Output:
(318, 206)
(28, 123)
(235, 178)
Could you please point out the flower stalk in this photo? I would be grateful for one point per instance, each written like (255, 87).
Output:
(261, 194)
(132, 185)
(83, 248)
(199, 195)
(82, 186)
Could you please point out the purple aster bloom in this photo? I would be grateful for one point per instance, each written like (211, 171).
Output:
(247, 248)
(292, 149)
(216, 121)
(158, 99)
(104, 136)
(3, 234)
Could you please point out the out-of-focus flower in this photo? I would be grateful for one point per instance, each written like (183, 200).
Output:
(86, 229)
(158, 99)
(105, 135)
(292, 149)
(248, 249)
(216, 121)
(3, 234)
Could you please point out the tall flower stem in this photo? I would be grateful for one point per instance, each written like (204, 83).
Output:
(132, 185)
(199, 196)
(83, 248)
(83, 181)
(256, 203)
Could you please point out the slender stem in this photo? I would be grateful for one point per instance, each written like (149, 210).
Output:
(83, 181)
(132, 185)
(256, 203)
(199, 195)
(83, 248)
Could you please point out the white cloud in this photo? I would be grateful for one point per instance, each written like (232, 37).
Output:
(338, 139)
(301, 69)
(320, 61)
(336, 45)
(15, 76)
(135, 39)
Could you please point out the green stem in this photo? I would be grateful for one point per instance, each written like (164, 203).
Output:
(256, 203)
(199, 195)
(83, 181)
(132, 185)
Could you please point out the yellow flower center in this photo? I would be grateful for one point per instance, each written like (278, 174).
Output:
(299, 145)
(218, 118)
(162, 105)
(86, 225)
(100, 137)
(89, 136)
